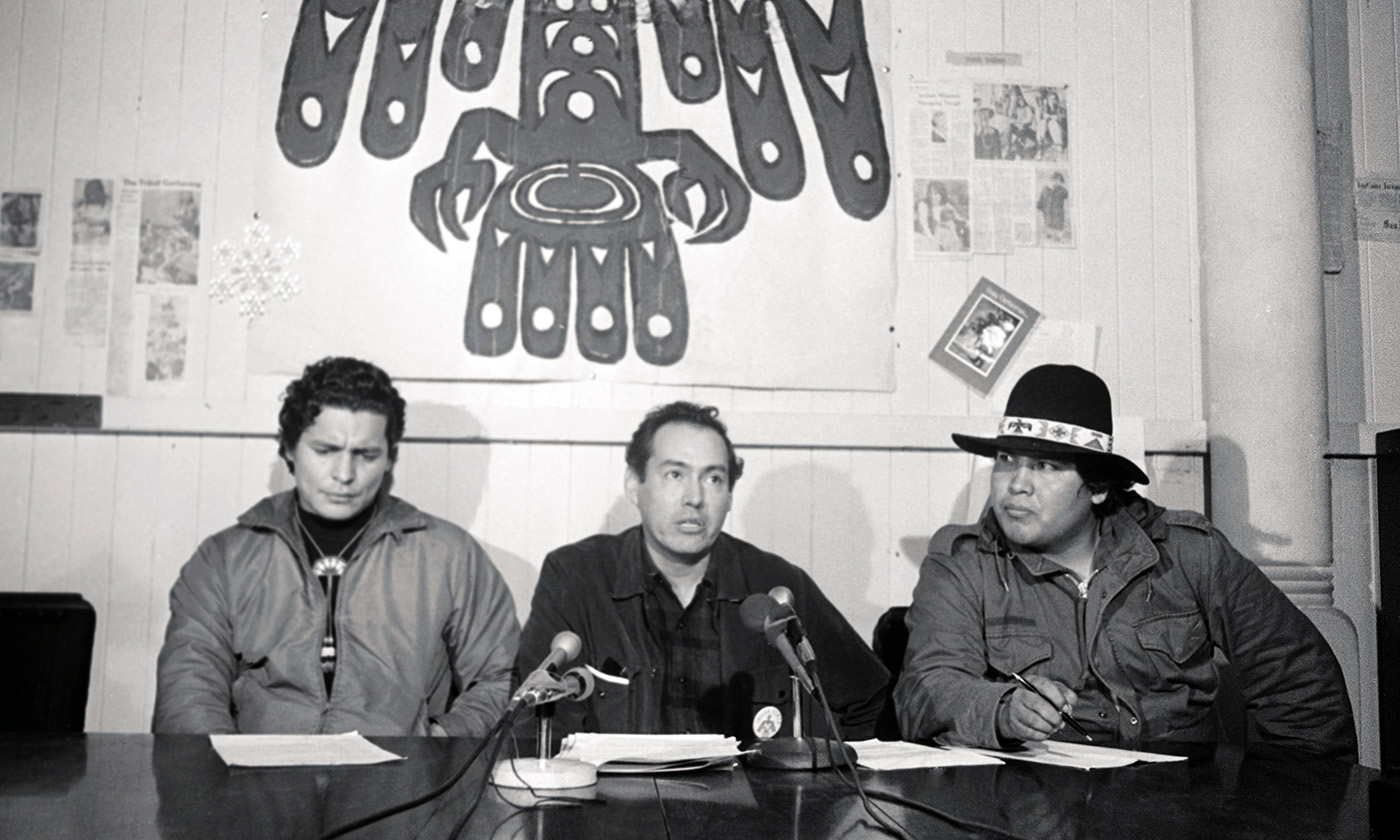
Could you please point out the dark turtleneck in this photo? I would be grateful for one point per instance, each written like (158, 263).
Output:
(332, 536)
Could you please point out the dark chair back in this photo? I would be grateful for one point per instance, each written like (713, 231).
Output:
(45, 659)
(891, 638)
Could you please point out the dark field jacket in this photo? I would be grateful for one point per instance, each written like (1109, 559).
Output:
(1137, 645)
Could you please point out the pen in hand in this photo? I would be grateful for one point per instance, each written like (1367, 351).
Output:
(1071, 722)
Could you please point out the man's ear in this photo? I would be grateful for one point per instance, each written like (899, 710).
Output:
(630, 480)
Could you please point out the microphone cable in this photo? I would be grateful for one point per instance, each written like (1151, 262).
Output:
(894, 826)
(496, 734)
(883, 818)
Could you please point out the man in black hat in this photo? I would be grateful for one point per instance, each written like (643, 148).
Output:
(1077, 608)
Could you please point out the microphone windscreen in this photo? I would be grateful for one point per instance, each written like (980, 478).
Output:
(755, 611)
(580, 682)
(569, 642)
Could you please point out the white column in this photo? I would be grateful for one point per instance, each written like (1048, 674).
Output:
(1261, 288)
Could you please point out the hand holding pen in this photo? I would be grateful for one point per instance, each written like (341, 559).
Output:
(1038, 712)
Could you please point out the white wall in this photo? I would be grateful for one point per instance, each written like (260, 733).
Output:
(847, 484)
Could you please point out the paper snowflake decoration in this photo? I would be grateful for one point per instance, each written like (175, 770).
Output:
(256, 272)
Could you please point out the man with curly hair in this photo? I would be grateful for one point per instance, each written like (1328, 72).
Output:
(335, 606)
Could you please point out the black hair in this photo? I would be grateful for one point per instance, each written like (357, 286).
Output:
(1101, 475)
(639, 449)
(338, 382)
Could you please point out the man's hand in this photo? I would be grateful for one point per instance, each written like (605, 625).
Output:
(1024, 716)
(436, 731)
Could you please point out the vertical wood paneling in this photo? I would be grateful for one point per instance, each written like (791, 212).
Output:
(1134, 151)
(31, 163)
(780, 497)
(50, 515)
(16, 470)
(466, 480)
(1176, 327)
(1059, 65)
(74, 146)
(621, 513)
(169, 88)
(163, 61)
(1093, 133)
(176, 497)
(875, 504)
(507, 517)
(123, 24)
(130, 660)
(1025, 267)
(232, 194)
(593, 490)
(746, 521)
(842, 535)
(421, 476)
(90, 548)
(37, 101)
(1375, 100)
(546, 485)
(11, 27)
(911, 516)
(221, 497)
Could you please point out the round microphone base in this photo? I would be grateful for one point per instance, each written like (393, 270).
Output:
(544, 773)
(799, 754)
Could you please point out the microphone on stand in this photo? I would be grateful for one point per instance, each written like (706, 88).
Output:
(773, 614)
(541, 689)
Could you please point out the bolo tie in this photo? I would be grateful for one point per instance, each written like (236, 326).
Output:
(329, 568)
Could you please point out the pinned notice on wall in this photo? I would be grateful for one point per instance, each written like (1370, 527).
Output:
(1378, 208)
(984, 335)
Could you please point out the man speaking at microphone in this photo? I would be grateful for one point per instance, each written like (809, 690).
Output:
(658, 607)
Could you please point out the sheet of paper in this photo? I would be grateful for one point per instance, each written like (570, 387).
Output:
(1082, 756)
(298, 750)
(651, 753)
(902, 755)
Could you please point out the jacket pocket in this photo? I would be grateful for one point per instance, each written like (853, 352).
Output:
(615, 707)
(1175, 654)
(1178, 636)
(1009, 653)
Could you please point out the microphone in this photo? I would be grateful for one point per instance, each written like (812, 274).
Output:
(542, 686)
(795, 632)
(764, 613)
(773, 614)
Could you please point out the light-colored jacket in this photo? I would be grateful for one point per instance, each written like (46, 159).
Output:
(426, 632)
(1137, 645)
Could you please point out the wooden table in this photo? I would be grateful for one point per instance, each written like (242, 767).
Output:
(175, 787)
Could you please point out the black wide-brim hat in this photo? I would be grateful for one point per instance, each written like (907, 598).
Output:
(1059, 410)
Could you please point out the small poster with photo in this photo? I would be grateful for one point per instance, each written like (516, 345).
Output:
(984, 335)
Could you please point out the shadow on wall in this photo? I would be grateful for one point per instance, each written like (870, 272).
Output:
(1234, 484)
(622, 514)
(466, 476)
(814, 517)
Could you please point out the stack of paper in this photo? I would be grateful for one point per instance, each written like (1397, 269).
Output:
(901, 755)
(298, 750)
(612, 753)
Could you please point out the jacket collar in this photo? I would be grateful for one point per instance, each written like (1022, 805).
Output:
(1128, 537)
(630, 568)
(278, 513)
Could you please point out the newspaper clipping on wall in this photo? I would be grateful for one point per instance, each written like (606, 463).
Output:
(989, 169)
(156, 259)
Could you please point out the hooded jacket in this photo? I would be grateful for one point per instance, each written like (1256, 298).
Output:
(426, 631)
(1137, 644)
